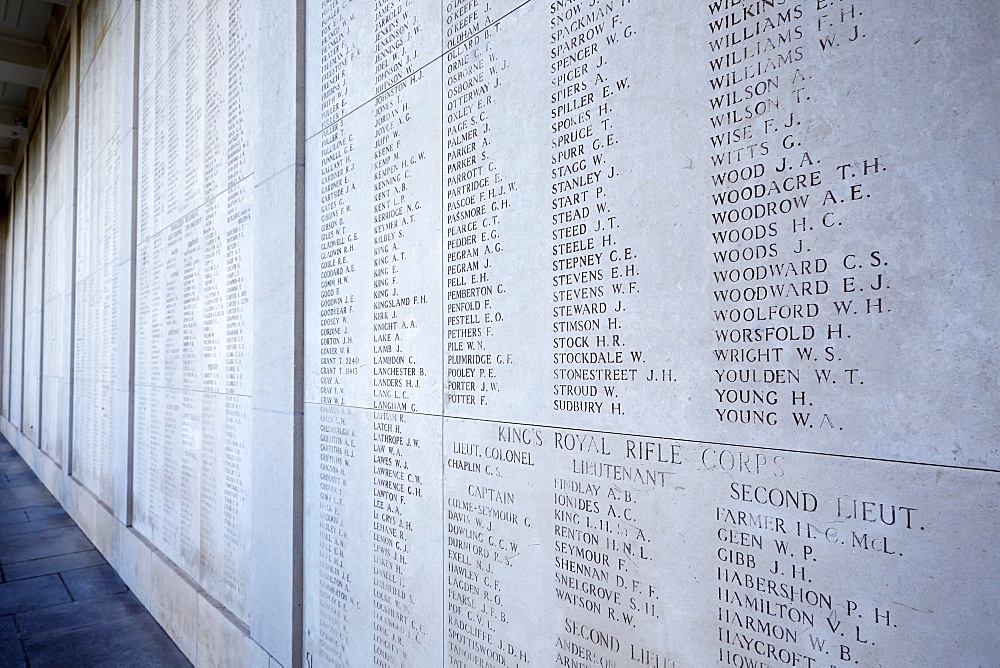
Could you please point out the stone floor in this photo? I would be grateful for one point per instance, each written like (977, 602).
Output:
(61, 604)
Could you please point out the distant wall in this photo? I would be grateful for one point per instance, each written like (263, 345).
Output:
(488, 332)
(128, 357)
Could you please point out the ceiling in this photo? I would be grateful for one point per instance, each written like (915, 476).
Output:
(28, 29)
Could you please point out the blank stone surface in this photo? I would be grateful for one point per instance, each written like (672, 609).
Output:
(691, 297)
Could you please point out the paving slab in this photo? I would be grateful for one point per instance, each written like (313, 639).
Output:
(41, 544)
(13, 517)
(24, 496)
(32, 593)
(11, 651)
(12, 464)
(17, 480)
(58, 619)
(42, 512)
(58, 564)
(16, 477)
(93, 582)
(55, 521)
(141, 642)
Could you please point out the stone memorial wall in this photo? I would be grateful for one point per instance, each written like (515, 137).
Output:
(15, 338)
(521, 332)
(57, 345)
(33, 258)
(7, 292)
(633, 327)
(104, 255)
(193, 304)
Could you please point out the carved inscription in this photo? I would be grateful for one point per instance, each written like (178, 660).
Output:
(595, 275)
(478, 197)
(788, 295)
(337, 588)
(193, 301)
(635, 280)
(403, 314)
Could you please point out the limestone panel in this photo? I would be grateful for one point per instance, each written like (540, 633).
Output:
(192, 415)
(193, 305)
(372, 536)
(338, 255)
(349, 45)
(33, 295)
(373, 318)
(104, 248)
(339, 575)
(17, 310)
(8, 296)
(96, 21)
(373, 331)
(846, 187)
(608, 359)
(58, 279)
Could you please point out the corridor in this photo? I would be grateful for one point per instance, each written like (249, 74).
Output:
(61, 603)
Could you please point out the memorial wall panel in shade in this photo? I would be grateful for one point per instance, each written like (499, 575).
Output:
(17, 298)
(33, 267)
(694, 295)
(17, 209)
(96, 20)
(57, 336)
(192, 406)
(17, 310)
(8, 290)
(104, 246)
